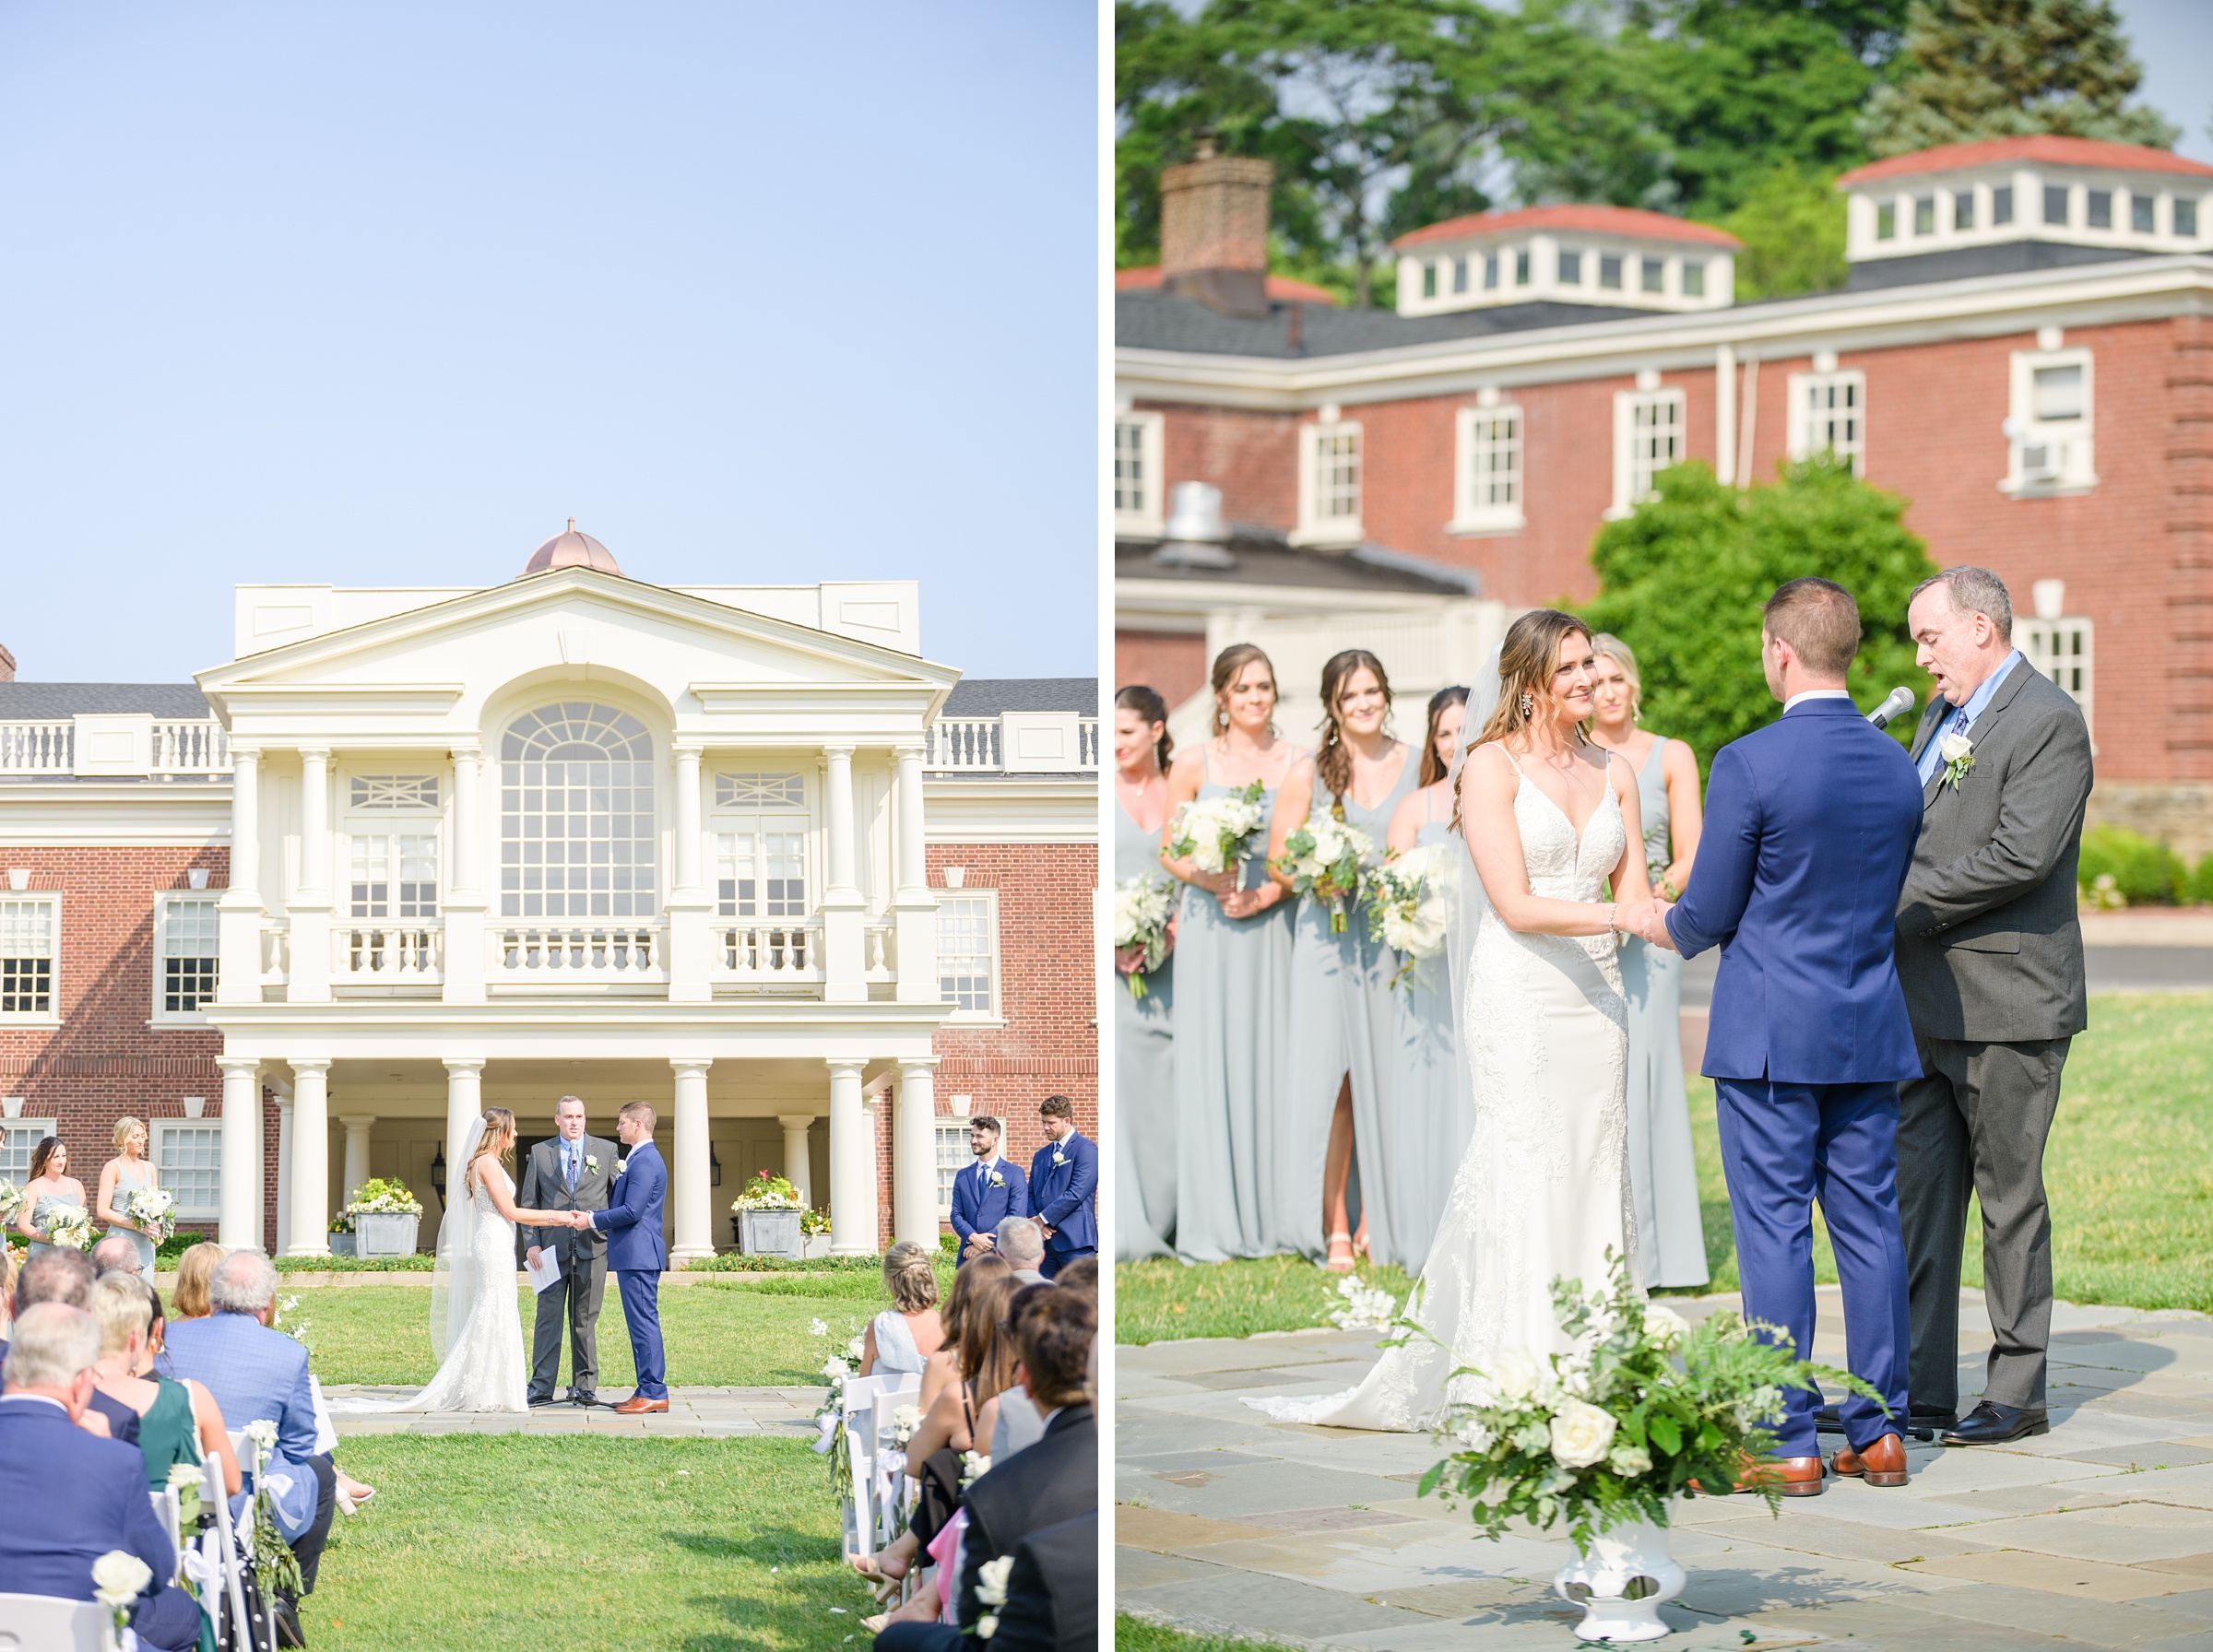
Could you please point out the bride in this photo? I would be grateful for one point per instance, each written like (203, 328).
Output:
(1542, 1190)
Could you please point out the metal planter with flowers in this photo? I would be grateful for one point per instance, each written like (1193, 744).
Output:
(385, 1217)
(768, 1216)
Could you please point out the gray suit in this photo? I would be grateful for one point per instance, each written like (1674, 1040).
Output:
(1990, 955)
(582, 1282)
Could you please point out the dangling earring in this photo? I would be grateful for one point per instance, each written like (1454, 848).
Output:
(1529, 705)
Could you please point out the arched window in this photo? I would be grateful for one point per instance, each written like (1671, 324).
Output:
(577, 820)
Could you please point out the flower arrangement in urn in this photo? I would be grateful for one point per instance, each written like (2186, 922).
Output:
(377, 1197)
(767, 1192)
(1642, 1409)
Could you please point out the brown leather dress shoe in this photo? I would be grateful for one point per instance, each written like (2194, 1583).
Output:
(1882, 1464)
(1790, 1476)
(637, 1404)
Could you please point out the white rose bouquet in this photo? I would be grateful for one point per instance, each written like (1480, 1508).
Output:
(1142, 906)
(829, 1417)
(1410, 905)
(1641, 1405)
(1215, 833)
(70, 1228)
(150, 1207)
(1325, 859)
(11, 1200)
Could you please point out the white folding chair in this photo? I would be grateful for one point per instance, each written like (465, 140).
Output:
(168, 1509)
(43, 1623)
(890, 1485)
(857, 1419)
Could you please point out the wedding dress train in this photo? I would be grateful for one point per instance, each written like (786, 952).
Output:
(1543, 1188)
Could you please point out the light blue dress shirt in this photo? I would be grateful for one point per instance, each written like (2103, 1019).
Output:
(1963, 716)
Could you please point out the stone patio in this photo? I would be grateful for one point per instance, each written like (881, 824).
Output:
(2099, 1534)
(697, 1412)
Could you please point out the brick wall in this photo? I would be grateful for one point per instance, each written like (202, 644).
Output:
(1173, 664)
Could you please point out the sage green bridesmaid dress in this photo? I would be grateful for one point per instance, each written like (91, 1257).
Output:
(1145, 1076)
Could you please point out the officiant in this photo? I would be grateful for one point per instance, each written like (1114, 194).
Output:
(571, 1171)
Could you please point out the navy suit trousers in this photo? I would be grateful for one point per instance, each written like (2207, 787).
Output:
(642, 1312)
(1784, 1146)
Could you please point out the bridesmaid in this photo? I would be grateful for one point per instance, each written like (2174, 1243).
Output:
(1233, 978)
(1664, 1178)
(50, 1185)
(1341, 996)
(1144, 1032)
(1432, 1102)
(118, 1176)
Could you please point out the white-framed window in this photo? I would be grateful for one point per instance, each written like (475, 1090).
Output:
(954, 1157)
(391, 875)
(1829, 410)
(392, 793)
(1140, 484)
(1328, 484)
(19, 1137)
(578, 833)
(761, 828)
(30, 945)
(968, 953)
(185, 955)
(1649, 436)
(1488, 486)
(2061, 650)
(2050, 426)
(188, 1162)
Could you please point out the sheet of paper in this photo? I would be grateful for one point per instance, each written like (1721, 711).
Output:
(546, 1272)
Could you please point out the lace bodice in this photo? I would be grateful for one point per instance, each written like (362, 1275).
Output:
(1561, 865)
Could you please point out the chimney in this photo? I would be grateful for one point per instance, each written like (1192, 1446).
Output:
(1214, 230)
(7, 664)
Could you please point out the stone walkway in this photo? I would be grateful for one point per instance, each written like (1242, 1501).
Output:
(2099, 1534)
(693, 1413)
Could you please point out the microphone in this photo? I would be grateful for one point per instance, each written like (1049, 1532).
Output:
(1897, 704)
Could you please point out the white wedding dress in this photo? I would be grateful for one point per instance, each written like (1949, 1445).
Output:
(483, 1369)
(1543, 1187)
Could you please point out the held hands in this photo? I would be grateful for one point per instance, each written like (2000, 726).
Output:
(1647, 920)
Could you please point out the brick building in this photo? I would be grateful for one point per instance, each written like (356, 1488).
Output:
(810, 892)
(2024, 352)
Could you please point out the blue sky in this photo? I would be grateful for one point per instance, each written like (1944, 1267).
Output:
(2173, 41)
(381, 294)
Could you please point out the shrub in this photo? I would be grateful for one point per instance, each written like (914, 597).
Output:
(2145, 873)
(2201, 881)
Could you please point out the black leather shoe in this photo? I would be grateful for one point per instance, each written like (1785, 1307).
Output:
(289, 1630)
(1922, 1421)
(544, 1399)
(1991, 1424)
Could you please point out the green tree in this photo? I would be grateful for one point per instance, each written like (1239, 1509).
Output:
(2003, 68)
(1682, 580)
(1793, 227)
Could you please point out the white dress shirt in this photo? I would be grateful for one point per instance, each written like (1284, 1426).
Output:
(1805, 695)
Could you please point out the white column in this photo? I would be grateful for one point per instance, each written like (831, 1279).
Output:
(358, 1125)
(844, 970)
(284, 1168)
(914, 1153)
(916, 909)
(465, 903)
(1725, 414)
(310, 1158)
(690, 946)
(238, 945)
(240, 1225)
(309, 910)
(464, 1106)
(694, 1191)
(798, 1166)
(462, 879)
(852, 1166)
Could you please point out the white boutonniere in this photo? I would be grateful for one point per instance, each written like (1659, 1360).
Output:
(622, 1166)
(998, 1180)
(591, 1163)
(1059, 1157)
(1959, 754)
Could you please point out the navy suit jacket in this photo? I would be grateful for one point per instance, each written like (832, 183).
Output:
(632, 1218)
(65, 1500)
(1810, 827)
(1065, 1197)
(978, 1208)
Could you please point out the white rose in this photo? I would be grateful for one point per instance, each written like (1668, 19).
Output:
(1476, 1437)
(1665, 1326)
(1953, 746)
(987, 1626)
(1580, 1434)
(262, 1432)
(1629, 1459)
(1513, 1373)
(991, 1580)
(118, 1577)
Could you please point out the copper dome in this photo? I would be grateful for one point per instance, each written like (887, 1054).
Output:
(571, 549)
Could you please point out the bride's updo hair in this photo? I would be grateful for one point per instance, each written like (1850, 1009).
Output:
(1333, 761)
(1527, 659)
(499, 1135)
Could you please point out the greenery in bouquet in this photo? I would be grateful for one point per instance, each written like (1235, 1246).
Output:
(377, 1197)
(1410, 904)
(273, 1561)
(1325, 860)
(1215, 833)
(69, 1227)
(1142, 906)
(1640, 1406)
(767, 1192)
(150, 1208)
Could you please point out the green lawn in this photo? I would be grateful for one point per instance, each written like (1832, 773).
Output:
(2129, 1169)
(1142, 1634)
(509, 1540)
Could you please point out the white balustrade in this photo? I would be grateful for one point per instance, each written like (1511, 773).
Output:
(46, 746)
(581, 955)
(276, 951)
(880, 952)
(199, 747)
(768, 954)
(964, 743)
(1087, 742)
(397, 955)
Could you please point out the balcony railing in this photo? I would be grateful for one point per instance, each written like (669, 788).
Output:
(1018, 742)
(579, 955)
(122, 746)
(45, 746)
(773, 955)
(378, 955)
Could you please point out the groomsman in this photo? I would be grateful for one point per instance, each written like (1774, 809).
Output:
(1064, 1185)
(987, 1192)
(1990, 953)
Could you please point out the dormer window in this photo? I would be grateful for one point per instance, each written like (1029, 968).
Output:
(2185, 218)
(1886, 220)
(2143, 213)
(2100, 203)
(1460, 274)
(1694, 279)
(1429, 280)
(2001, 205)
(1490, 273)
(1571, 268)
(1654, 276)
(1609, 271)
(1522, 266)
(1963, 209)
(2055, 203)
(1645, 260)
(1925, 215)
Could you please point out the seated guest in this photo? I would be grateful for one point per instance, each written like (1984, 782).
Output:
(1021, 1424)
(195, 1269)
(67, 1498)
(178, 1421)
(60, 1274)
(1053, 1592)
(1064, 1187)
(901, 1339)
(1056, 1479)
(118, 1253)
(1083, 1274)
(1022, 1242)
(258, 1374)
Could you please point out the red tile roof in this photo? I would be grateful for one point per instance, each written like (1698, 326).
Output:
(1631, 221)
(2046, 146)
(1279, 287)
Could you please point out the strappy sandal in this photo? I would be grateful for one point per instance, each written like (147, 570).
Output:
(1334, 1263)
(882, 1584)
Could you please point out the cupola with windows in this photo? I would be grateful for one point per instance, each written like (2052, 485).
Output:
(1612, 257)
(2041, 202)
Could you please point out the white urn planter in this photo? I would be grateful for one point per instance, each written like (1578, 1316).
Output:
(1622, 1582)
(384, 1233)
(769, 1233)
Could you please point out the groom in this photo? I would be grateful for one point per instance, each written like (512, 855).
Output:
(637, 1252)
(1810, 825)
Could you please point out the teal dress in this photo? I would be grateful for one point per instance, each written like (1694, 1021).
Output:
(1145, 1076)
(124, 1180)
(1341, 1022)
(1663, 1175)
(1231, 1022)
